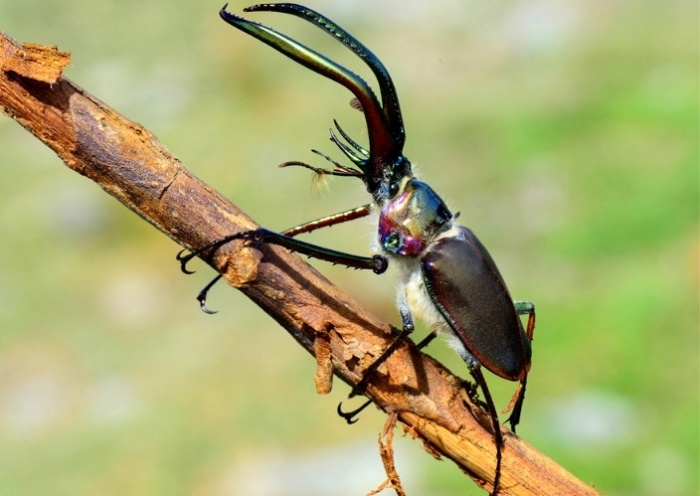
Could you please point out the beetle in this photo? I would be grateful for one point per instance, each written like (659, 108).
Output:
(447, 277)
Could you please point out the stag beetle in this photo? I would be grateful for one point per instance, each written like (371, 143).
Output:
(447, 277)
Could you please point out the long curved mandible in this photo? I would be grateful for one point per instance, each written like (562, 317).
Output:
(390, 100)
(385, 126)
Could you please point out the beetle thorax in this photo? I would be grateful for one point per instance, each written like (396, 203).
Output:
(412, 219)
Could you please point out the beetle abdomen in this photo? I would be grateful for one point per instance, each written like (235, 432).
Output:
(468, 290)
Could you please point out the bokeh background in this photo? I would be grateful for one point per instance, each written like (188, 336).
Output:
(566, 133)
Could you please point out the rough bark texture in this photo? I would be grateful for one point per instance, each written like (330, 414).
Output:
(128, 162)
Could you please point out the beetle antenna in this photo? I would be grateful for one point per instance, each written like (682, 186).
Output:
(339, 170)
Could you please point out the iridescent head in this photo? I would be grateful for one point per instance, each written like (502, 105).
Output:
(412, 219)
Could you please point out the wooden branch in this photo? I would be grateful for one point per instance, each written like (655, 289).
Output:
(128, 162)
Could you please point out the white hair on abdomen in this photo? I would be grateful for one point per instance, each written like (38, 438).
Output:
(412, 288)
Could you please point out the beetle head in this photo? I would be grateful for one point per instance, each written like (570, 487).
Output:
(412, 219)
(383, 166)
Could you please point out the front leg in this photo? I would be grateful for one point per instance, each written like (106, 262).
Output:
(377, 263)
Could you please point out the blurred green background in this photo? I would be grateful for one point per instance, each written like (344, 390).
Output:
(565, 132)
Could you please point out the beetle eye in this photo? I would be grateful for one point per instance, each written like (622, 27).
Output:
(392, 241)
(393, 189)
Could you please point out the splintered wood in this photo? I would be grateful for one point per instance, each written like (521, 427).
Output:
(38, 62)
(386, 451)
(324, 366)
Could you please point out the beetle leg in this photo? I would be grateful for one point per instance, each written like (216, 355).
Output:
(516, 402)
(377, 263)
(184, 259)
(475, 370)
(331, 220)
(202, 296)
(263, 235)
(527, 308)
(427, 340)
(369, 372)
(351, 416)
(408, 328)
(360, 387)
